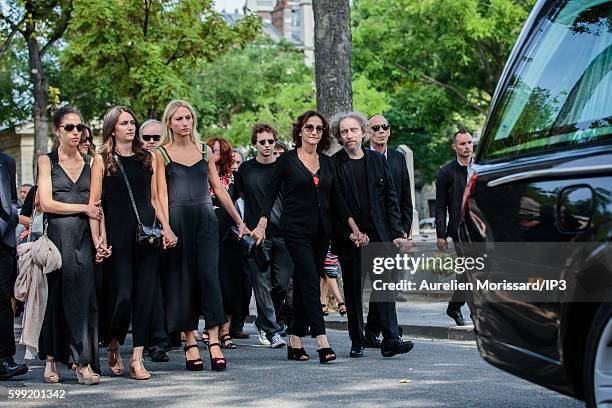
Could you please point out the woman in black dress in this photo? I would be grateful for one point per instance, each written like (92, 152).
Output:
(130, 274)
(311, 194)
(230, 259)
(70, 327)
(192, 279)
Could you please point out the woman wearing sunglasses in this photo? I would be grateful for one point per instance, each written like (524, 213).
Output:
(70, 327)
(191, 281)
(131, 273)
(86, 145)
(312, 198)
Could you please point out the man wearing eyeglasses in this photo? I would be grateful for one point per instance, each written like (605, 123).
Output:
(150, 134)
(380, 131)
(269, 285)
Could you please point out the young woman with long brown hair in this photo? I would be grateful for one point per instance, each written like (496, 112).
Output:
(131, 273)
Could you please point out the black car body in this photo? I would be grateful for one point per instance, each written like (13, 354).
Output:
(543, 173)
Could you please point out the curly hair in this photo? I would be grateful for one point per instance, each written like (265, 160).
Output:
(225, 159)
(260, 128)
(326, 139)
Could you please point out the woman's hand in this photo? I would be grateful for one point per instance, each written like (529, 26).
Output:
(359, 239)
(93, 211)
(259, 233)
(243, 230)
(168, 238)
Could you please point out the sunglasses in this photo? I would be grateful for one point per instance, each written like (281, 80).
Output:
(148, 138)
(311, 128)
(263, 142)
(87, 140)
(376, 128)
(69, 127)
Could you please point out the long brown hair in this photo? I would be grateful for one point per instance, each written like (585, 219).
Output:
(225, 161)
(108, 140)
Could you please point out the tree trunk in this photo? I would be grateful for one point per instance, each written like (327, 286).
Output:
(333, 48)
(40, 93)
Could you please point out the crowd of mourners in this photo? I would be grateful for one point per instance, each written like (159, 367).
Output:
(156, 229)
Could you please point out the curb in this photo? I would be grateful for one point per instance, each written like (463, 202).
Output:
(462, 333)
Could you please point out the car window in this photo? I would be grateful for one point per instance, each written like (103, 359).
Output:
(561, 90)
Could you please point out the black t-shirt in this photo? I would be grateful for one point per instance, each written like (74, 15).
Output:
(28, 204)
(364, 218)
(252, 184)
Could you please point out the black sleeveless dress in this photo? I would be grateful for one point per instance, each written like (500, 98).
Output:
(191, 277)
(131, 273)
(70, 327)
(231, 267)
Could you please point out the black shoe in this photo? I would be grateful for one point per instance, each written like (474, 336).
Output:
(10, 369)
(159, 356)
(395, 346)
(356, 351)
(239, 334)
(456, 316)
(371, 341)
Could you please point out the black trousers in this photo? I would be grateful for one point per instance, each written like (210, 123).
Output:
(158, 340)
(8, 273)
(308, 253)
(459, 296)
(352, 277)
(237, 323)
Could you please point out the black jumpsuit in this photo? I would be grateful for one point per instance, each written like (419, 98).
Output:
(191, 277)
(70, 327)
(131, 273)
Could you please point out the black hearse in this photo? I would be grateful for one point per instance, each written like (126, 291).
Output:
(543, 174)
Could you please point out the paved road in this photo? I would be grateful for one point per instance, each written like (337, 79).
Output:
(440, 373)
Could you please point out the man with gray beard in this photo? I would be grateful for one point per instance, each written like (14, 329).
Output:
(366, 183)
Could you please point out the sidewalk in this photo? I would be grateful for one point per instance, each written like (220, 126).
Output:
(420, 319)
(417, 319)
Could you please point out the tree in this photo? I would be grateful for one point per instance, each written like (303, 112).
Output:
(439, 60)
(264, 82)
(41, 23)
(148, 49)
(333, 47)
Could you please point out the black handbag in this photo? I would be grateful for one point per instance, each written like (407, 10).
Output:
(262, 257)
(246, 245)
(145, 235)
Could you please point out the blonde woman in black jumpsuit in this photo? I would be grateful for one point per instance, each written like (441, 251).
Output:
(191, 281)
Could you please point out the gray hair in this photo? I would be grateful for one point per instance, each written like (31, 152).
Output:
(359, 117)
(239, 151)
(147, 123)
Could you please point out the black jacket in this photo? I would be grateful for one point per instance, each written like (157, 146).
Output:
(306, 205)
(401, 181)
(384, 207)
(451, 181)
(8, 200)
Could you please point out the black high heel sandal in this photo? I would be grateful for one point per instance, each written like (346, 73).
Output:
(193, 365)
(342, 312)
(217, 363)
(326, 355)
(297, 354)
(323, 307)
(227, 342)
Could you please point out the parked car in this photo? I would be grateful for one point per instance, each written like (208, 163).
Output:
(543, 173)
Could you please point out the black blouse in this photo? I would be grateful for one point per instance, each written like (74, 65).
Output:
(306, 205)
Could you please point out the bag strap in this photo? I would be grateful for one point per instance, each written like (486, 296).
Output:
(127, 184)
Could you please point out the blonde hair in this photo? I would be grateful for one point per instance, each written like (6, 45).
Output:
(167, 135)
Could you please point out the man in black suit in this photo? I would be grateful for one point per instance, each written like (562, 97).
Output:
(8, 268)
(380, 130)
(366, 183)
(450, 183)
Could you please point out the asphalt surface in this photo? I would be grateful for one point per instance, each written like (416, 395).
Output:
(436, 373)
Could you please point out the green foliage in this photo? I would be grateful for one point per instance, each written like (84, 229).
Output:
(15, 103)
(146, 51)
(439, 61)
(263, 82)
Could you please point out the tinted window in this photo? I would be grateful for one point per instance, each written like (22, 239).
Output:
(560, 93)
